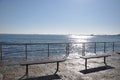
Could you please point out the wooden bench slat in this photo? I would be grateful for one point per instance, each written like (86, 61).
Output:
(95, 56)
(32, 62)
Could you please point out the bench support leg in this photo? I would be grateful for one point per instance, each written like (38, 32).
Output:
(85, 64)
(105, 61)
(57, 68)
(26, 73)
(26, 70)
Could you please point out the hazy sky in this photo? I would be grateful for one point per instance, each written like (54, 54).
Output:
(60, 16)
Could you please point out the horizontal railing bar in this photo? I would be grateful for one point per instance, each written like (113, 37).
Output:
(7, 52)
(29, 43)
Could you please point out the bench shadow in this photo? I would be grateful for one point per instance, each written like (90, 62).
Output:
(48, 77)
(97, 69)
(118, 53)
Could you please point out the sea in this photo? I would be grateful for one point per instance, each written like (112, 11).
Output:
(41, 45)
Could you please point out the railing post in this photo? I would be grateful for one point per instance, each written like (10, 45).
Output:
(83, 49)
(26, 51)
(48, 50)
(95, 48)
(1, 52)
(104, 47)
(67, 49)
(113, 47)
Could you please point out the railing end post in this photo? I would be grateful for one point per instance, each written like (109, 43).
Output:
(83, 49)
(1, 52)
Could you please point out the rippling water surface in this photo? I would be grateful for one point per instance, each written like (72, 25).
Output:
(13, 51)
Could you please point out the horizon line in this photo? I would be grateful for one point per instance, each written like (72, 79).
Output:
(54, 34)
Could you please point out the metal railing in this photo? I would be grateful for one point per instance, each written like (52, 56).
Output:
(27, 48)
(56, 48)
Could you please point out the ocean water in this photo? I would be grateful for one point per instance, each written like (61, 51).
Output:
(51, 45)
(18, 38)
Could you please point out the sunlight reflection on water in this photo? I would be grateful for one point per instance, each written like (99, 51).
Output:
(80, 38)
(76, 48)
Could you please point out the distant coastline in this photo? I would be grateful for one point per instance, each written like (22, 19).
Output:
(66, 34)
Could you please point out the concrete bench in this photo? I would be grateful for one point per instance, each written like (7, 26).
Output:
(42, 61)
(95, 56)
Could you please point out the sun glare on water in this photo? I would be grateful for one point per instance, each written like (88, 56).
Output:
(77, 45)
(81, 38)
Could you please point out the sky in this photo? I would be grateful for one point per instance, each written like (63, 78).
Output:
(59, 16)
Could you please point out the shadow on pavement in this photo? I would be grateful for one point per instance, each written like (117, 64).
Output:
(48, 77)
(97, 69)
